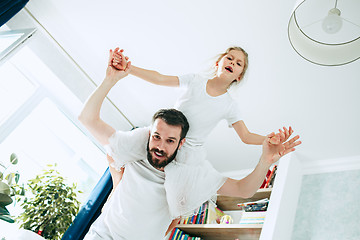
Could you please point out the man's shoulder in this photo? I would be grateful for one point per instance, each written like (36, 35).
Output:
(140, 134)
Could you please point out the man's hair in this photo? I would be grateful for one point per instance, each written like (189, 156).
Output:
(173, 117)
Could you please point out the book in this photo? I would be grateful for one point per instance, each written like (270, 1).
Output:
(181, 235)
(260, 205)
(271, 183)
(172, 234)
(214, 214)
(268, 177)
(208, 213)
(257, 217)
(176, 234)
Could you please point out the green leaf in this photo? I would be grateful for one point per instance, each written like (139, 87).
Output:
(10, 177)
(17, 177)
(53, 206)
(13, 158)
(4, 188)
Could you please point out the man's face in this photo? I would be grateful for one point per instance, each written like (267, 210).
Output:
(163, 143)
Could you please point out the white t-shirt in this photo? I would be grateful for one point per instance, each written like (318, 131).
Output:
(203, 111)
(138, 208)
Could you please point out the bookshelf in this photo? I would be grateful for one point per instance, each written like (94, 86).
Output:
(280, 214)
(226, 203)
(222, 231)
(228, 231)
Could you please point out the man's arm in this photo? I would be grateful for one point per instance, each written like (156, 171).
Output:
(90, 115)
(248, 186)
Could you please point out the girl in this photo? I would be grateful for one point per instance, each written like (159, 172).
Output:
(205, 103)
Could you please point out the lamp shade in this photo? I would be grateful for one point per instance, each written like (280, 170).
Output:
(328, 54)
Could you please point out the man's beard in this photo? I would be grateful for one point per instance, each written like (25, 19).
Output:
(156, 162)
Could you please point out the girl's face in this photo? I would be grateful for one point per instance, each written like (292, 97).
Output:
(232, 65)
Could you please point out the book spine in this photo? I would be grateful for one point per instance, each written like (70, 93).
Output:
(269, 178)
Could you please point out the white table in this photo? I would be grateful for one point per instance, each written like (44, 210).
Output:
(11, 231)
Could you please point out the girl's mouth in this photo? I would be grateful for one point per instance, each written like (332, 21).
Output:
(229, 69)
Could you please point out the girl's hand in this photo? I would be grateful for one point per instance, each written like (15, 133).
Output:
(113, 75)
(282, 136)
(273, 152)
(116, 174)
(119, 61)
(285, 134)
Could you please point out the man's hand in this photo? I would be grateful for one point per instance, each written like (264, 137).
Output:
(113, 75)
(273, 152)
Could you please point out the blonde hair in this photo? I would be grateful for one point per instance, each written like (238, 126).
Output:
(246, 62)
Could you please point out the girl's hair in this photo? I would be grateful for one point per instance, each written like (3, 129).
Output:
(246, 62)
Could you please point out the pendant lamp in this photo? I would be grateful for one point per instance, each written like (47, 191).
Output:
(326, 34)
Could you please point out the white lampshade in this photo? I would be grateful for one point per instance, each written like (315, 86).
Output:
(328, 54)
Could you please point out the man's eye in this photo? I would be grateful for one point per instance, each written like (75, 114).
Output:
(239, 64)
(229, 58)
(170, 141)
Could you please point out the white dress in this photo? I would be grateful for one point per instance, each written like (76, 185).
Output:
(190, 180)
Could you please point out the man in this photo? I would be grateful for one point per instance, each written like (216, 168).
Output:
(138, 208)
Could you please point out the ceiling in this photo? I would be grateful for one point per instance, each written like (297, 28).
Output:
(180, 37)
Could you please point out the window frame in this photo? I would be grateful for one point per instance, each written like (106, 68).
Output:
(17, 44)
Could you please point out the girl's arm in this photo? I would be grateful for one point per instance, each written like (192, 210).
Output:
(155, 77)
(246, 136)
(255, 139)
(119, 62)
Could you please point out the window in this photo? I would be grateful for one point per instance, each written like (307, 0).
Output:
(15, 89)
(38, 123)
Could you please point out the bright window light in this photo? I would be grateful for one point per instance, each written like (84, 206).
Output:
(15, 89)
(12, 40)
(38, 123)
(47, 136)
(8, 40)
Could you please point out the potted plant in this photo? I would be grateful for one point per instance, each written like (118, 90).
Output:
(53, 206)
(9, 188)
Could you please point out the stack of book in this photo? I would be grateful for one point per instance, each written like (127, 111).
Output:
(254, 212)
(177, 234)
(248, 218)
(208, 213)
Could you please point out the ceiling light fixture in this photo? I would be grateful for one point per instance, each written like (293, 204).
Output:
(323, 43)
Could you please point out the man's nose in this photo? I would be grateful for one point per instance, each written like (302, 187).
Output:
(161, 145)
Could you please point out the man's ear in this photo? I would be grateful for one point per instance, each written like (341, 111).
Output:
(182, 142)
